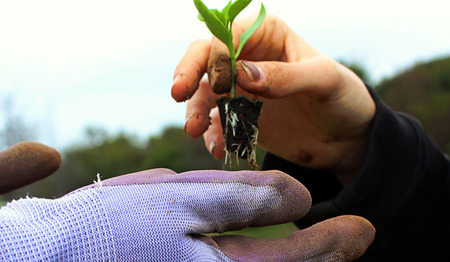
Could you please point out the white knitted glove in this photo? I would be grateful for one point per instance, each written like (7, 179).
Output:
(158, 215)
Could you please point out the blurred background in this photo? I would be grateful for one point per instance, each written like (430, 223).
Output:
(92, 78)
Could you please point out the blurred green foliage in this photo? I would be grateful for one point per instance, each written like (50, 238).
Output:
(359, 70)
(113, 155)
(424, 92)
(174, 150)
(274, 231)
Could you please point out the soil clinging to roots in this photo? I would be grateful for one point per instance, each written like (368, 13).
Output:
(239, 119)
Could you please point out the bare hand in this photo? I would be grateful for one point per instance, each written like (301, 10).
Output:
(316, 112)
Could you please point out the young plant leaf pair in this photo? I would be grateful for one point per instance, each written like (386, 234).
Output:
(220, 24)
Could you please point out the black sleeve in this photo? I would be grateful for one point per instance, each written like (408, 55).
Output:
(403, 190)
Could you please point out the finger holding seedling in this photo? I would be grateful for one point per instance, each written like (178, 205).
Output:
(198, 110)
(214, 140)
(190, 70)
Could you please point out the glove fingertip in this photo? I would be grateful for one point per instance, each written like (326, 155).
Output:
(296, 201)
(26, 162)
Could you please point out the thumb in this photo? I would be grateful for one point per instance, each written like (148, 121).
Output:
(343, 238)
(281, 79)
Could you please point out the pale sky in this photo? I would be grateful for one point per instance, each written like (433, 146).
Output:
(72, 64)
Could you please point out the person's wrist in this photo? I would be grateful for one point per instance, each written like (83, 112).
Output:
(352, 161)
(354, 151)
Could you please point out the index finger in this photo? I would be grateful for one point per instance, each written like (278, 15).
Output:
(236, 199)
(190, 70)
(251, 198)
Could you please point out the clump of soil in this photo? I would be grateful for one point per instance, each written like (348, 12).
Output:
(219, 71)
(239, 119)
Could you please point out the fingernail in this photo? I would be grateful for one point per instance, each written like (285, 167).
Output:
(175, 80)
(177, 93)
(253, 73)
(212, 144)
(186, 122)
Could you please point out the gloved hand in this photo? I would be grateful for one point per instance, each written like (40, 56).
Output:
(26, 162)
(158, 215)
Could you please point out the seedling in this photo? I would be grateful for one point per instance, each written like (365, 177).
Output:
(239, 116)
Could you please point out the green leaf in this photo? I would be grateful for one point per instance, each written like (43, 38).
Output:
(236, 8)
(249, 32)
(225, 12)
(219, 15)
(227, 7)
(199, 16)
(213, 23)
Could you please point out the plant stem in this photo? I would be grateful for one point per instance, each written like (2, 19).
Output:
(233, 85)
(232, 62)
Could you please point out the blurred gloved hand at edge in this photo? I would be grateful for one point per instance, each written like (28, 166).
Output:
(25, 163)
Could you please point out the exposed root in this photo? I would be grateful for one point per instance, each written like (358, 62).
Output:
(240, 129)
(247, 152)
(98, 183)
(232, 119)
